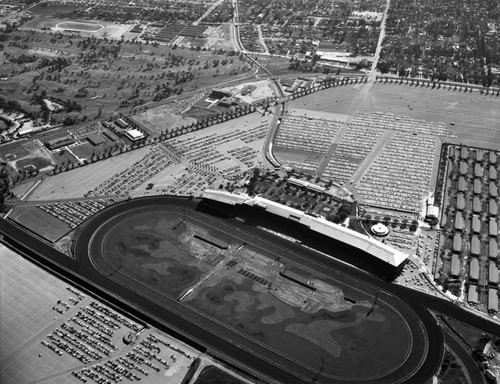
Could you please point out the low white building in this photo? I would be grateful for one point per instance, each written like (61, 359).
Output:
(134, 134)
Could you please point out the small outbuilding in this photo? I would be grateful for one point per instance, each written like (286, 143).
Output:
(493, 249)
(464, 153)
(476, 205)
(463, 168)
(457, 243)
(121, 123)
(493, 189)
(493, 157)
(493, 208)
(478, 186)
(432, 212)
(475, 246)
(96, 139)
(472, 296)
(493, 173)
(462, 184)
(474, 269)
(478, 170)
(493, 228)
(459, 222)
(455, 265)
(492, 300)
(479, 155)
(476, 224)
(460, 202)
(134, 134)
(493, 273)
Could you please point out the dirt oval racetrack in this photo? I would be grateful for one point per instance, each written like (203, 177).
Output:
(143, 251)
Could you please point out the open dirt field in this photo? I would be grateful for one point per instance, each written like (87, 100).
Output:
(76, 182)
(159, 119)
(40, 222)
(333, 103)
(472, 116)
(263, 90)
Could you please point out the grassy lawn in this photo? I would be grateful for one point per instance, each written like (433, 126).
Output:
(93, 77)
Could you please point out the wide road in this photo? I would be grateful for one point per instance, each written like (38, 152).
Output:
(234, 348)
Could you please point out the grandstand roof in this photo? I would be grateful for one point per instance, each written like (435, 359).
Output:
(374, 247)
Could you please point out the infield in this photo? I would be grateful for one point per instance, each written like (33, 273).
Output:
(79, 26)
(154, 249)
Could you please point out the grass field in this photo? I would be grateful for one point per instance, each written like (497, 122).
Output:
(333, 103)
(122, 77)
(40, 222)
(471, 116)
(79, 26)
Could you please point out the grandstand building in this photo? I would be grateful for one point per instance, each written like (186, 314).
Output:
(379, 250)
